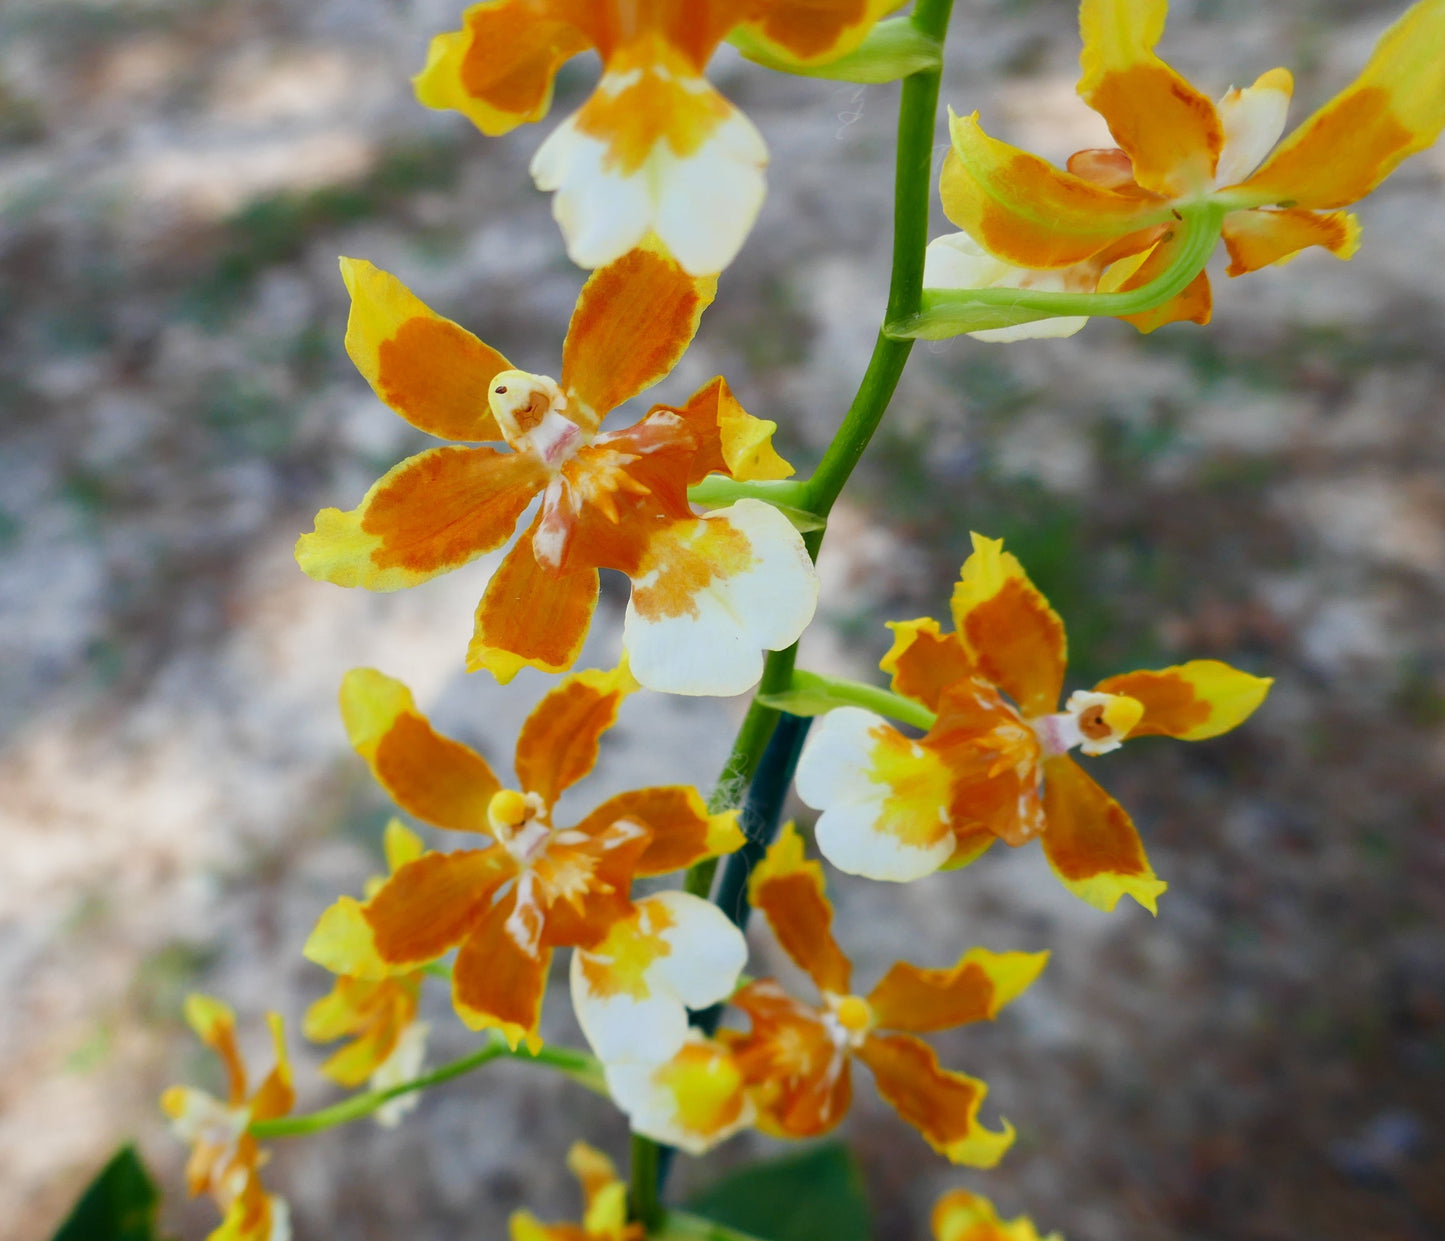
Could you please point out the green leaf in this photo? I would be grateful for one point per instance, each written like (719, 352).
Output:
(816, 1195)
(119, 1205)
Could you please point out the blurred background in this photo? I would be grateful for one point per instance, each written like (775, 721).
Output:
(1265, 1061)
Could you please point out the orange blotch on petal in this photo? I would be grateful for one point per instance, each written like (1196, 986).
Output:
(496, 985)
(1014, 637)
(683, 832)
(807, 32)
(789, 890)
(1192, 701)
(1395, 108)
(498, 69)
(431, 904)
(432, 513)
(941, 1105)
(531, 615)
(924, 661)
(1091, 842)
(633, 321)
(430, 371)
(919, 1000)
(433, 777)
(1266, 235)
(1193, 304)
(559, 741)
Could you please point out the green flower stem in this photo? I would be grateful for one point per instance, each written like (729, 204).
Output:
(917, 121)
(813, 694)
(912, 185)
(576, 1064)
(679, 1226)
(951, 312)
(718, 489)
(643, 1196)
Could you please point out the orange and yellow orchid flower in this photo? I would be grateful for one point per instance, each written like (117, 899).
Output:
(379, 1015)
(604, 1196)
(1108, 223)
(225, 1160)
(995, 764)
(963, 1216)
(693, 1100)
(537, 886)
(796, 1058)
(709, 594)
(655, 148)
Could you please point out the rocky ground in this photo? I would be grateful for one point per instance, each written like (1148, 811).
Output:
(1265, 1062)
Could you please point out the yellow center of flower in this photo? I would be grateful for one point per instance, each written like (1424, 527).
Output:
(849, 1019)
(519, 822)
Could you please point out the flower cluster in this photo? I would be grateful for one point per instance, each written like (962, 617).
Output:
(657, 179)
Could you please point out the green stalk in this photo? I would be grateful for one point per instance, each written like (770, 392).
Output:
(912, 184)
(576, 1064)
(813, 694)
(951, 312)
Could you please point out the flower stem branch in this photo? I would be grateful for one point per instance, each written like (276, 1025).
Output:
(576, 1064)
(912, 186)
(951, 312)
(812, 694)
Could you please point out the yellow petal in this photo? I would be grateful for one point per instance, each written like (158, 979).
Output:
(1395, 108)
(1268, 235)
(1169, 130)
(1192, 701)
(1025, 211)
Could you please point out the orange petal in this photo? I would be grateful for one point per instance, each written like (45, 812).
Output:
(1194, 304)
(275, 1096)
(924, 661)
(1014, 637)
(730, 440)
(495, 985)
(805, 32)
(432, 513)
(789, 891)
(1395, 108)
(531, 614)
(595, 877)
(633, 321)
(918, 1000)
(799, 1077)
(941, 1105)
(215, 1025)
(498, 69)
(1027, 212)
(1266, 235)
(433, 777)
(1092, 843)
(430, 371)
(1192, 701)
(1171, 132)
(559, 741)
(683, 832)
(431, 904)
